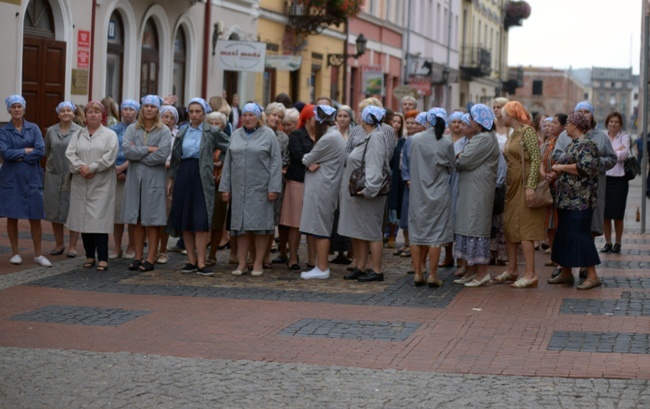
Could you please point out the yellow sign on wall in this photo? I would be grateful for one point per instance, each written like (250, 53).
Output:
(17, 2)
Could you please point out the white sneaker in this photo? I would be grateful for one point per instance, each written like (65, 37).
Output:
(16, 259)
(315, 273)
(43, 261)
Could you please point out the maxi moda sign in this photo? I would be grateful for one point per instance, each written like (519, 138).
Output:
(241, 55)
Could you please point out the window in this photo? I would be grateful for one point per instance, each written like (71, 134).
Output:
(537, 87)
(150, 60)
(115, 57)
(180, 56)
(39, 20)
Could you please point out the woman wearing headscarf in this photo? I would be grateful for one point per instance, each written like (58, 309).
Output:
(502, 131)
(301, 142)
(617, 185)
(345, 121)
(396, 194)
(521, 223)
(169, 118)
(21, 178)
(56, 188)
(607, 160)
(146, 146)
(477, 164)
(251, 181)
(362, 215)
(575, 199)
(432, 160)
(91, 154)
(129, 110)
(322, 186)
(191, 183)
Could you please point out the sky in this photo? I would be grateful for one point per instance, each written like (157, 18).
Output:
(578, 34)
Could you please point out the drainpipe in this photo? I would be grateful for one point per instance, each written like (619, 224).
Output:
(206, 49)
(408, 41)
(92, 51)
(345, 64)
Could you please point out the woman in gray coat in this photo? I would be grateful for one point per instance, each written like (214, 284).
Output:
(362, 215)
(252, 178)
(191, 184)
(432, 160)
(56, 189)
(322, 185)
(146, 146)
(477, 165)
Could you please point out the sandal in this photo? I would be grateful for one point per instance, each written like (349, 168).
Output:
(57, 251)
(135, 264)
(460, 272)
(398, 252)
(210, 261)
(505, 277)
(267, 266)
(588, 284)
(146, 266)
(102, 267)
(162, 258)
(406, 253)
(90, 263)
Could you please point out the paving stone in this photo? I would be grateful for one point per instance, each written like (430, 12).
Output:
(79, 315)
(627, 282)
(392, 331)
(5, 250)
(615, 307)
(605, 342)
(625, 264)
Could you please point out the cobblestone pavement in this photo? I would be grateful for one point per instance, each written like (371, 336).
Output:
(34, 379)
(76, 338)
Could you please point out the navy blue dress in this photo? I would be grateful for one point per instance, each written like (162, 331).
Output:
(21, 175)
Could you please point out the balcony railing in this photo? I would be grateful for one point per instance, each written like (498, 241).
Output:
(476, 62)
(309, 19)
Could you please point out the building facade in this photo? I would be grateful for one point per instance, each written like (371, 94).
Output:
(612, 91)
(548, 91)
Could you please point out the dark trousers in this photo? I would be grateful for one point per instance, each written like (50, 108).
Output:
(96, 242)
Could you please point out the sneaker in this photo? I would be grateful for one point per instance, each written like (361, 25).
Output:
(315, 273)
(16, 259)
(205, 272)
(43, 261)
(189, 268)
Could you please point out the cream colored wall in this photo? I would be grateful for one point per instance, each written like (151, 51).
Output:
(9, 71)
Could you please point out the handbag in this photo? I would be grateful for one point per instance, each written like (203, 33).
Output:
(358, 179)
(632, 168)
(499, 200)
(543, 196)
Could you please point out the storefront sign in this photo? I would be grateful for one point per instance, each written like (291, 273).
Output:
(420, 66)
(79, 82)
(241, 55)
(284, 62)
(83, 59)
(372, 79)
(421, 83)
(404, 91)
(83, 39)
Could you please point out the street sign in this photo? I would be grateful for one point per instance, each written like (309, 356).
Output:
(403, 91)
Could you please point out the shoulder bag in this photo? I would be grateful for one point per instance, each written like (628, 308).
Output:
(358, 178)
(631, 166)
(543, 196)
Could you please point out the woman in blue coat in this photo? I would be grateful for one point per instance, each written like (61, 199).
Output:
(21, 178)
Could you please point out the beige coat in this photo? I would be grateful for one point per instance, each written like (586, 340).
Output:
(92, 201)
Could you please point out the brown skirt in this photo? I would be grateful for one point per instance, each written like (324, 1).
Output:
(292, 204)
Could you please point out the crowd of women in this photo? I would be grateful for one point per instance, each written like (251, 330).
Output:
(471, 182)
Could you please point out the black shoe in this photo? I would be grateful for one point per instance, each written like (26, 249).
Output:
(556, 272)
(204, 271)
(341, 260)
(583, 273)
(280, 260)
(545, 246)
(616, 248)
(189, 268)
(295, 267)
(370, 276)
(355, 274)
(608, 247)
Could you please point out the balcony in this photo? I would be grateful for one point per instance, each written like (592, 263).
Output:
(476, 62)
(313, 16)
(515, 79)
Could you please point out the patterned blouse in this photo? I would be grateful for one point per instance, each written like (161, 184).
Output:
(578, 192)
(530, 143)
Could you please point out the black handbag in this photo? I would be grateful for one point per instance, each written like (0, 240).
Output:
(632, 168)
(358, 179)
(499, 200)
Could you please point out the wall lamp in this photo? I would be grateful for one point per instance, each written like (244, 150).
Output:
(338, 59)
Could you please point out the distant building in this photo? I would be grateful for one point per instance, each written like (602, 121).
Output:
(612, 90)
(548, 91)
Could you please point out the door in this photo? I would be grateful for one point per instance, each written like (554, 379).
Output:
(43, 79)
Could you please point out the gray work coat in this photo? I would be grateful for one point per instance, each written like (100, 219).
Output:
(252, 169)
(321, 194)
(211, 140)
(92, 201)
(477, 166)
(145, 189)
(431, 162)
(607, 160)
(56, 189)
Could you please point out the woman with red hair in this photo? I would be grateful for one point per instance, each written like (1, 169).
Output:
(521, 223)
(301, 142)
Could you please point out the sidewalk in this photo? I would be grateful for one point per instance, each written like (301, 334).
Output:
(161, 338)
